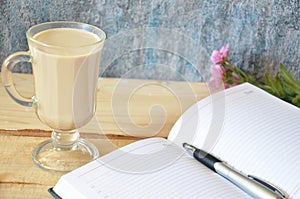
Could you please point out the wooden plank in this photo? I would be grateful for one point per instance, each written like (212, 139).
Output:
(21, 178)
(127, 110)
(124, 107)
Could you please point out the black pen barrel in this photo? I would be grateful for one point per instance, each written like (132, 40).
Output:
(206, 159)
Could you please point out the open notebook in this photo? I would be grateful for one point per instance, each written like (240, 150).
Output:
(244, 126)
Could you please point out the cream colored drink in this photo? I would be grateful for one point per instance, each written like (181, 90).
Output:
(65, 76)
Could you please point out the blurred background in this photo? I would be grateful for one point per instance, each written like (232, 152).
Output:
(169, 39)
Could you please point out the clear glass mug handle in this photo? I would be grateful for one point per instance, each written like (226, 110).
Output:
(6, 72)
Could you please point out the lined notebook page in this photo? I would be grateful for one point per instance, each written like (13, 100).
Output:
(259, 134)
(125, 174)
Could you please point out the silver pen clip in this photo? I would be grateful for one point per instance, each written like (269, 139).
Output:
(268, 185)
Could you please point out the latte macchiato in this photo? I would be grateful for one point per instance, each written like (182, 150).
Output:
(66, 76)
(65, 58)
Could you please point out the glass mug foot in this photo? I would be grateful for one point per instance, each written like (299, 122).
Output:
(61, 155)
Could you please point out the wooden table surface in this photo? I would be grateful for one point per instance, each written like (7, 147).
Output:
(127, 110)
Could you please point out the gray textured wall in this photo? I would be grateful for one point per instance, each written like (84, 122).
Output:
(169, 39)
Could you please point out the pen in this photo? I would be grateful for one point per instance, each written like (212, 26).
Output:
(247, 184)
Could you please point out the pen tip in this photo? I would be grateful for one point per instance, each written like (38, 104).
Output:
(188, 146)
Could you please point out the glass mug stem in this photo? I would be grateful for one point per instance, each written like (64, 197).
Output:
(65, 140)
(6, 72)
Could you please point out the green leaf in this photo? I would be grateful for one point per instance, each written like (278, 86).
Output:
(288, 91)
(296, 100)
(273, 85)
(240, 73)
(267, 88)
(287, 77)
(267, 80)
(278, 85)
(229, 82)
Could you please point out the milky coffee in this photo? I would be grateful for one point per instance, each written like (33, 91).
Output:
(66, 73)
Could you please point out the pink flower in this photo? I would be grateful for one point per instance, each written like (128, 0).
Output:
(219, 56)
(216, 71)
(216, 77)
(225, 50)
(226, 86)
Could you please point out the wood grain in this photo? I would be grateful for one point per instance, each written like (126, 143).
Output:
(127, 110)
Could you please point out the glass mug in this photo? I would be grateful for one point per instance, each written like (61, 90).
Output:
(65, 58)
